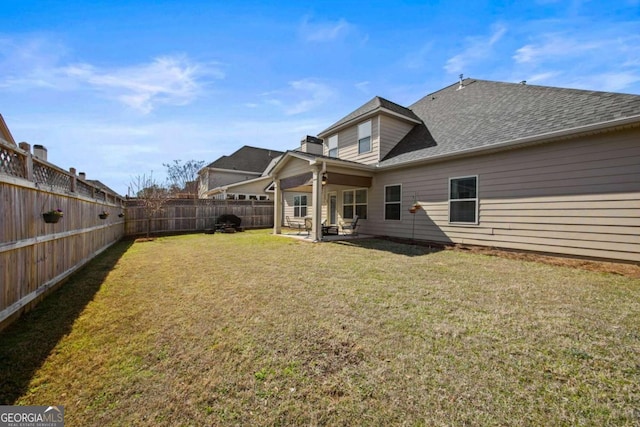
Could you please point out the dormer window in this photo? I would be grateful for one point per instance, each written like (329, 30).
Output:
(332, 145)
(364, 137)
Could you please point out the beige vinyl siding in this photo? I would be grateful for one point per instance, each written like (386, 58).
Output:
(391, 132)
(294, 167)
(577, 197)
(288, 204)
(348, 144)
(256, 188)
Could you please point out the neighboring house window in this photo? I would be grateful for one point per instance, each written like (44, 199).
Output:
(354, 202)
(463, 200)
(299, 206)
(364, 137)
(332, 144)
(392, 201)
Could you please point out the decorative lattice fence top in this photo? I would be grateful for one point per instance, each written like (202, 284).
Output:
(11, 162)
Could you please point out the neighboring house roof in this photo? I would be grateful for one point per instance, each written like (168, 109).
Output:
(101, 186)
(5, 133)
(485, 113)
(227, 187)
(377, 104)
(248, 159)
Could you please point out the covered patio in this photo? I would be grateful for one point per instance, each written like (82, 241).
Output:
(319, 180)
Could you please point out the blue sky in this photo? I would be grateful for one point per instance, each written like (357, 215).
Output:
(117, 88)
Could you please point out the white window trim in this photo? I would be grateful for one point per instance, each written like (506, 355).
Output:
(354, 204)
(361, 137)
(300, 206)
(475, 199)
(330, 145)
(384, 198)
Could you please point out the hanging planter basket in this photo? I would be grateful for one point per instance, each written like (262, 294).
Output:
(51, 218)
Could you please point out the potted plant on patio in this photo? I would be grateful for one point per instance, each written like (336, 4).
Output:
(53, 216)
(103, 215)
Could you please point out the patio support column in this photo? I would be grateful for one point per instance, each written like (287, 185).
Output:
(316, 213)
(277, 207)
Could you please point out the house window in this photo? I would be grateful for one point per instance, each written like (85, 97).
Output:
(299, 206)
(392, 201)
(332, 145)
(354, 202)
(364, 137)
(463, 200)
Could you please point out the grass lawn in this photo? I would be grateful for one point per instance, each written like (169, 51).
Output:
(254, 329)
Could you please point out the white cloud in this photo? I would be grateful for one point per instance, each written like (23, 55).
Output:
(314, 95)
(323, 31)
(36, 62)
(555, 45)
(601, 59)
(608, 81)
(419, 58)
(478, 48)
(363, 87)
(300, 96)
(166, 80)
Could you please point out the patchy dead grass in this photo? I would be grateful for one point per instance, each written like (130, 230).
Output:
(253, 329)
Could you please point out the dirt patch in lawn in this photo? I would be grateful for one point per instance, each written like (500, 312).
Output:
(621, 268)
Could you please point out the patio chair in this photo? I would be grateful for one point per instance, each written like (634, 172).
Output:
(308, 225)
(350, 227)
(294, 225)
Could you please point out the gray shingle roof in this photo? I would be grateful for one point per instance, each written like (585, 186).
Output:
(374, 104)
(486, 112)
(250, 159)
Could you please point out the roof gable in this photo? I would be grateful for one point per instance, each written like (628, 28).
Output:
(248, 159)
(377, 104)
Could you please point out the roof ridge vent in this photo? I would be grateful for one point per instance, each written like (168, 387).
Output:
(461, 85)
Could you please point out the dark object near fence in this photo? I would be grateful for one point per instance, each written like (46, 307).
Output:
(228, 223)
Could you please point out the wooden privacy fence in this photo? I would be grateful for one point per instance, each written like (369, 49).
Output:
(35, 255)
(190, 215)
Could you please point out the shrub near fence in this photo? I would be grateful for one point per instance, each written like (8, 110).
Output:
(194, 215)
(35, 256)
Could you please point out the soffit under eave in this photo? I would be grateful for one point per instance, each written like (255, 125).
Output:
(304, 182)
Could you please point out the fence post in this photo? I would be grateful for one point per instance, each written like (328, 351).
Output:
(72, 171)
(28, 161)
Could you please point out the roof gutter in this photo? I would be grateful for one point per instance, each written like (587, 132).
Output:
(529, 140)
